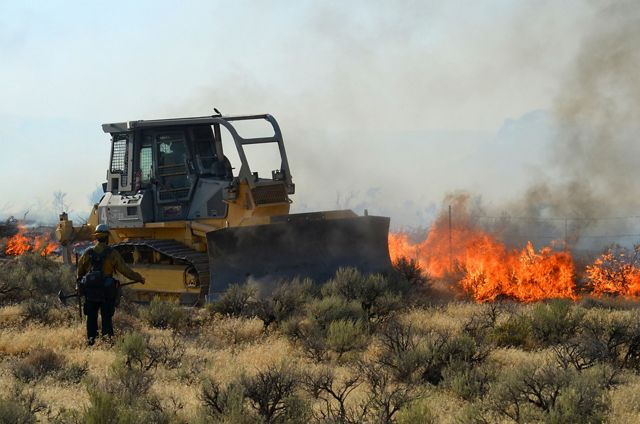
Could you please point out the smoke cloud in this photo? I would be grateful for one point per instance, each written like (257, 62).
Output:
(593, 170)
(389, 108)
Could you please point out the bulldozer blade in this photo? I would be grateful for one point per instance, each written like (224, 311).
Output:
(303, 245)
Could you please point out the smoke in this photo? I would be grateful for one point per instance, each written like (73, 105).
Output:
(598, 114)
(367, 102)
(593, 172)
(585, 191)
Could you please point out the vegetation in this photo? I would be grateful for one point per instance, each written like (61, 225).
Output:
(358, 348)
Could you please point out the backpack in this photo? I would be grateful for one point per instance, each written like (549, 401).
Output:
(95, 286)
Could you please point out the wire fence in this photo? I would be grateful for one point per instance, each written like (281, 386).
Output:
(582, 235)
(570, 227)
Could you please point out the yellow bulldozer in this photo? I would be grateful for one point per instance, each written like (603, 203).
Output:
(183, 217)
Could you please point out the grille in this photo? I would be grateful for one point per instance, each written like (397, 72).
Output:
(276, 193)
(168, 170)
(174, 194)
(145, 164)
(119, 156)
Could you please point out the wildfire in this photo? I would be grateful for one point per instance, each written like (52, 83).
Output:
(616, 272)
(23, 242)
(484, 267)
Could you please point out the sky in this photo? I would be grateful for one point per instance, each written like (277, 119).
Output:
(387, 106)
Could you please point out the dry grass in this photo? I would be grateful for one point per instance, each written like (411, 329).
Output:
(226, 348)
(447, 318)
(10, 315)
(625, 402)
(23, 339)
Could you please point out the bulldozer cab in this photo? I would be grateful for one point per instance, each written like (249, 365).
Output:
(177, 169)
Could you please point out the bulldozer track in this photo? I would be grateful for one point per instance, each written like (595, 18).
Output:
(179, 252)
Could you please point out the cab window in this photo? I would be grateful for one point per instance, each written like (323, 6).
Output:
(172, 171)
(146, 161)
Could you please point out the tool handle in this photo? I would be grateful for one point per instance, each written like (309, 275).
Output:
(79, 306)
(131, 282)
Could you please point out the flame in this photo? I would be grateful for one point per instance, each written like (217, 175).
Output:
(23, 242)
(483, 266)
(18, 244)
(616, 272)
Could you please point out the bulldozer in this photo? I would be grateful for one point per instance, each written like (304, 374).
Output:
(192, 224)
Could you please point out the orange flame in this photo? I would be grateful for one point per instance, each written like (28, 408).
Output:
(22, 243)
(483, 266)
(616, 272)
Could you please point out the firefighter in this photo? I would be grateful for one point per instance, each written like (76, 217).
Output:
(96, 284)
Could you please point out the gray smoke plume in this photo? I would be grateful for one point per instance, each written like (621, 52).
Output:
(364, 99)
(595, 156)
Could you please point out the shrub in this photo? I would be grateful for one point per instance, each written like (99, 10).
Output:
(38, 364)
(235, 331)
(192, 370)
(333, 308)
(125, 396)
(313, 331)
(460, 348)
(347, 283)
(73, 373)
(237, 300)
(161, 314)
(608, 302)
(19, 406)
(103, 408)
(527, 391)
(170, 350)
(345, 335)
(580, 353)
(132, 347)
(32, 276)
(446, 350)
(372, 292)
(333, 394)
(515, 332)
(222, 404)
(309, 335)
(408, 355)
(554, 321)
(416, 412)
(385, 398)
(384, 306)
(403, 352)
(143, 353)
(12, 412)
(481, 323)
(468, 382)
(132, 373)
(611, 337)
(582, 401)
(271, 392)
(475, 413)
(108, 408)
(37, 310)
(128, 383)
(543, 391)
(287, 299)
(410, 270)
